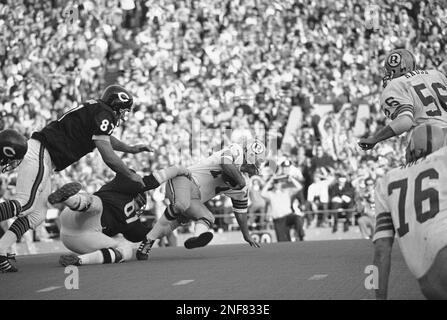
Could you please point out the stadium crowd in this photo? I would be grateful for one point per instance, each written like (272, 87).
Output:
(225, 69)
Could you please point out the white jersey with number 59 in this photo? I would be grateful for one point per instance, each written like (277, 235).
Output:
(421, 94)
(411, 201)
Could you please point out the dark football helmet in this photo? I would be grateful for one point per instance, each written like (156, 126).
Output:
(119, 99)
(13, 147)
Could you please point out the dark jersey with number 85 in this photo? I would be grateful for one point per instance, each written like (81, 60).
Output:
(71, 137)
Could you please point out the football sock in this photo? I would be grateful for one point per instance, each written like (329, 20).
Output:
(200, 227)
(161, 228)
(106, 255)
(8, 239)
(9, 209)
(20, 226)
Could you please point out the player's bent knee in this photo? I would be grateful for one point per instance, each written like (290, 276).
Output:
(173, 211)
(180, 207)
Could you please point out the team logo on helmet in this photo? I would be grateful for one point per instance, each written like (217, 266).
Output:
(258, 147)
(123, 97)
(394, 59)
(9, 152)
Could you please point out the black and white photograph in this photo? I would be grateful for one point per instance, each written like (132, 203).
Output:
(224, 156)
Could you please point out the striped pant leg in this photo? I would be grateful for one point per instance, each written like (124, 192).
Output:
(34, 183)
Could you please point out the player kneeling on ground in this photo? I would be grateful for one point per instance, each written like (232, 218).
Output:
(90, 224)
(221, 173)
(411, 202)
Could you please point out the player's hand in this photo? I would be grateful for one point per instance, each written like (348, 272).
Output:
(252, 242)
(141, 148)
(367, 143)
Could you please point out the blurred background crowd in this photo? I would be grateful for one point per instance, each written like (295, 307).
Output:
(206, 73)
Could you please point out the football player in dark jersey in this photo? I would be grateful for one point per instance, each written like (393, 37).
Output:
(90, 224)
(60, 144)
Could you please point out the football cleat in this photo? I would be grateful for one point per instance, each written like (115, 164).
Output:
(63, 193)
(70, 260)
(199, 241)
(144, 249)
(5, 265)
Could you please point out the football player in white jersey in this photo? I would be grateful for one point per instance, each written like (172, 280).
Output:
(218, 174)
(411, 203)
(410, 97)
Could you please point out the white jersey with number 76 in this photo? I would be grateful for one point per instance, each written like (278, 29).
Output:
(411, 203)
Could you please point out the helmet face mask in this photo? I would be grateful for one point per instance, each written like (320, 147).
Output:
(255, 154)
(10, 164)
(122, 115)
(388, 76)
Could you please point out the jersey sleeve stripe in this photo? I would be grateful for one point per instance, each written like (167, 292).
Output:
(384, 220)
(240, 210)
(101, 137)
(383, 234)
(383, 215)
(402, 109)
(384, 227)
(240, 206)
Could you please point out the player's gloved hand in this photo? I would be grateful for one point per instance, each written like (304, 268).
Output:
(252, 242)
(141, 148)
(367, 143)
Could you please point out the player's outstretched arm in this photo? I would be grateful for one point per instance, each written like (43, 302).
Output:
(241, 219)
(240, 212)
(382, 260)
(114, 162)
(118, 145)
(396, 127)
